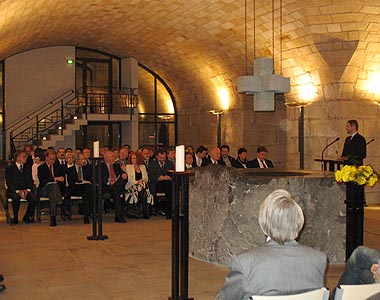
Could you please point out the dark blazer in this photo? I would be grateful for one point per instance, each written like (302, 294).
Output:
(207, 161)
(72, 175)
(44, 174)
(232, 160)
(355, 150)
(105, 173)
(255, 163)
(239, 164)
(17, 180)
(155, 171)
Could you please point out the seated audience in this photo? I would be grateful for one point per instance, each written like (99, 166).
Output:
(170, 154)
(18, 178)
(190, 149)
(261, 160)
(280, 266)
(123, 157)
(87, 155)
(79, 179)
(189, 159)
(51, 177)
(200, 154)
(213, 159)
(69, 157)
(241, 160)
(137, 190)
(160, 181)
(146, 152)
(28, 149)
(228, 160)
(113, 183)
(38, 159)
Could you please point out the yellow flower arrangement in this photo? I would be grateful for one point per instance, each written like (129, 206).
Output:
(358, 174)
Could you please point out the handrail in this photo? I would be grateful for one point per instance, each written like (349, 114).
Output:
(39, 125)
(38, 111)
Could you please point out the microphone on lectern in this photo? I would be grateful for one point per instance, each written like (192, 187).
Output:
(324, 149)
(370, 142)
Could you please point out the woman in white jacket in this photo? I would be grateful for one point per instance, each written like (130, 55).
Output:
(137, 190)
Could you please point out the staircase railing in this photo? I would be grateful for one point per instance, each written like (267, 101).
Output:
(45, 120)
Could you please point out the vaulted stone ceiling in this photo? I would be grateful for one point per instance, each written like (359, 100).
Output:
(197, 46)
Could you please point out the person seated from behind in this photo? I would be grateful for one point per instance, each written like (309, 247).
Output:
(113, 183)
(19, 182)
(137, 190)
(228, 160)
(79, 179)
(200, 154)
(189, 159)
(241, 160)
(261, 160)
(213, 159)
(361, 267)
(281, 266)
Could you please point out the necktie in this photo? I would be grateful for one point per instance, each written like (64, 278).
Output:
(264, 164)
(51, 171)
(80, 174)
(21, 168)
(162, 165)
(112, 175)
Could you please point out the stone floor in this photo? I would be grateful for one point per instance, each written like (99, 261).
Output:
(40, 262)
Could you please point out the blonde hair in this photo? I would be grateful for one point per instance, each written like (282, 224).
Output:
(281, 218)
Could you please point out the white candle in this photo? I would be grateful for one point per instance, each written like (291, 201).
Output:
(96, 149)
(180, 158)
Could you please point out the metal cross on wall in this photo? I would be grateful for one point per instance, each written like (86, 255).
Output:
(263, 84)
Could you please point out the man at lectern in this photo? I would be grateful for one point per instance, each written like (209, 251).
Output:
(355, 148)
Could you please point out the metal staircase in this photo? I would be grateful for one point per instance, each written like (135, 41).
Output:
(67, 112)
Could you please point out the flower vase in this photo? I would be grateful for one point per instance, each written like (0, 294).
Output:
(355, 202)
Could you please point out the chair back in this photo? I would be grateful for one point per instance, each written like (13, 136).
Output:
(320, 294)
(358, 292)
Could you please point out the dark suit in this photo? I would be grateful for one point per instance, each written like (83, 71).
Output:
(114, 190)
(274, 269)
(207, 161)
(163, 186)
(76, 188)
(20, 180)
(355, 150)
(240, 164)
(255, 163)
(230, 158)
(50, 189)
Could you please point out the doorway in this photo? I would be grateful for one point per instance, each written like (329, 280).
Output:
(107, 133)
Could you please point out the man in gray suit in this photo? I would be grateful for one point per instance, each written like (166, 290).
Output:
(281, 266)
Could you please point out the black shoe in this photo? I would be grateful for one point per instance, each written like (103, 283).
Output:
(161, 213)
(86, 220)
(2, 287)
(53, 221)
(14, 221)
(1, 278)
(120, 220)
(28, 219)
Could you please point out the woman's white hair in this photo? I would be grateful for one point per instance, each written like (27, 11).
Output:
(281, 218)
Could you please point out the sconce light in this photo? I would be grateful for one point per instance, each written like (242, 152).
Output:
(69, 61)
